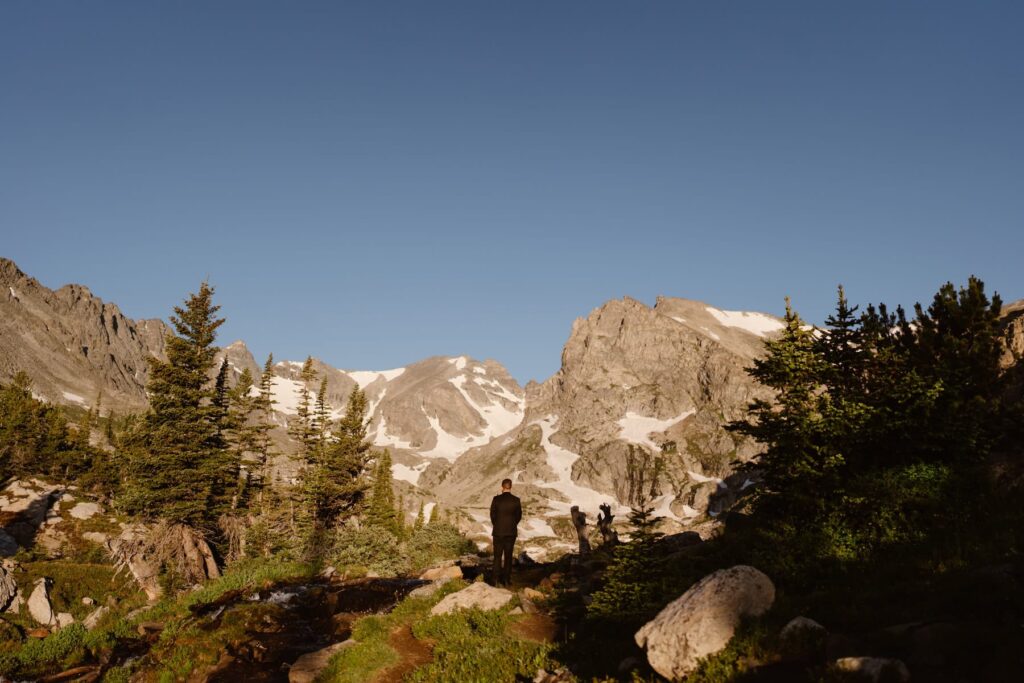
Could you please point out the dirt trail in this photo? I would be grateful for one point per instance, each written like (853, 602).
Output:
(414, 652)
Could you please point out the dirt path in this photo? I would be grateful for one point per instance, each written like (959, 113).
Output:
(414, 653)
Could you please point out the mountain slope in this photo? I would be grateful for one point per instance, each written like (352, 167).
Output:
(73, 344)
(636, 409)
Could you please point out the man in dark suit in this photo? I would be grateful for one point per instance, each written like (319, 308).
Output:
(506, 512)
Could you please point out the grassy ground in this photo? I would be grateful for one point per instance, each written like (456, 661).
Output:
(469, 645)
(177, 652)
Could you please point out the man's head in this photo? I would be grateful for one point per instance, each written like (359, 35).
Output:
(506, 484)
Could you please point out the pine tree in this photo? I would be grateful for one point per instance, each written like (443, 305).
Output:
(347, 459)
(382, 503)
(321, 419)
(302, 428)
(435, 515)
(220, 399)
(418, 524)
(242, 431)
(264, 449)
(179, 468)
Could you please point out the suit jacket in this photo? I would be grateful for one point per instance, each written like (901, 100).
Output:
(506, 511)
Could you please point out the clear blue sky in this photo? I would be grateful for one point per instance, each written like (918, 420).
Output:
(376, 182)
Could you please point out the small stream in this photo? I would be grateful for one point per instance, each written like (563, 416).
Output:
(299, 619)
(278, 624)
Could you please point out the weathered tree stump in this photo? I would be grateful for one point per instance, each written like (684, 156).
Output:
(609, 536)
(579, 520)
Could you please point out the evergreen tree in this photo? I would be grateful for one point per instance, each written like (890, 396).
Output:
(179, 468)
(418, 524)
(221, 398)
(302, 428)
(382, 503)
(347, 459)
(243, 431)
(264, 449)
(435, 516)
(322, 418)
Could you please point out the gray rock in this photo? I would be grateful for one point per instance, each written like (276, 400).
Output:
(64, 619)
(703, 620)
(803, 639)
(39, 603)
(429, 589)
(8, 589)
(446, 573)
(307, 667)
(94, 617)
(874, 668)
(479, 596)
(85, 510)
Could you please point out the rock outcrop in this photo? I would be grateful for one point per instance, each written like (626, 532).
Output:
(8, 589)
(703, 620)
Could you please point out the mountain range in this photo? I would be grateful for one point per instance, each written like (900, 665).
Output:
(636, 410)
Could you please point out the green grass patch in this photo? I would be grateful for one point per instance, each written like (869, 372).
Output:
(371, 652)
(473, 645)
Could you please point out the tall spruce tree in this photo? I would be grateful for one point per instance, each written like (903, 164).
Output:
(382, 502)
(302, 428)
(346, 461)
(242, 432)
(264, 449)
(179, 468)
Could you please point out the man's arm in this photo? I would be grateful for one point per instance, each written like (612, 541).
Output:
(494, 512)
(519, 511)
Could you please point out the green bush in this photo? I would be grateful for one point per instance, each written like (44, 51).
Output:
(370, 547)
(436, 542)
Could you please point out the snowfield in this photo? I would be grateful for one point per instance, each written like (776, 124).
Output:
(755, 323)
(366, 377)
(636, 428)
(561, 460)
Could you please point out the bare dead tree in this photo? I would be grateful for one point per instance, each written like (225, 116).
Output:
(609, 536)
(579, 520)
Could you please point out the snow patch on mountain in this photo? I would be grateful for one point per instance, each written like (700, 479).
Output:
(366, 377)
(382, 438)
(561, 460)
(74, 398)
(449, 447)
(407, 473)
(636, 428)
(500, 420)
(535, 527)
(285, 393)
(755, 323)
(459, 363)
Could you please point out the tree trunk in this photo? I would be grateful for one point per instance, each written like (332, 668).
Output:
(579, 520)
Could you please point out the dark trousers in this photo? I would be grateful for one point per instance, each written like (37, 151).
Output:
(503, 546)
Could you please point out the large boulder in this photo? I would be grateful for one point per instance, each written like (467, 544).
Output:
(703, 620)
(39, 603)
(479, 596)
